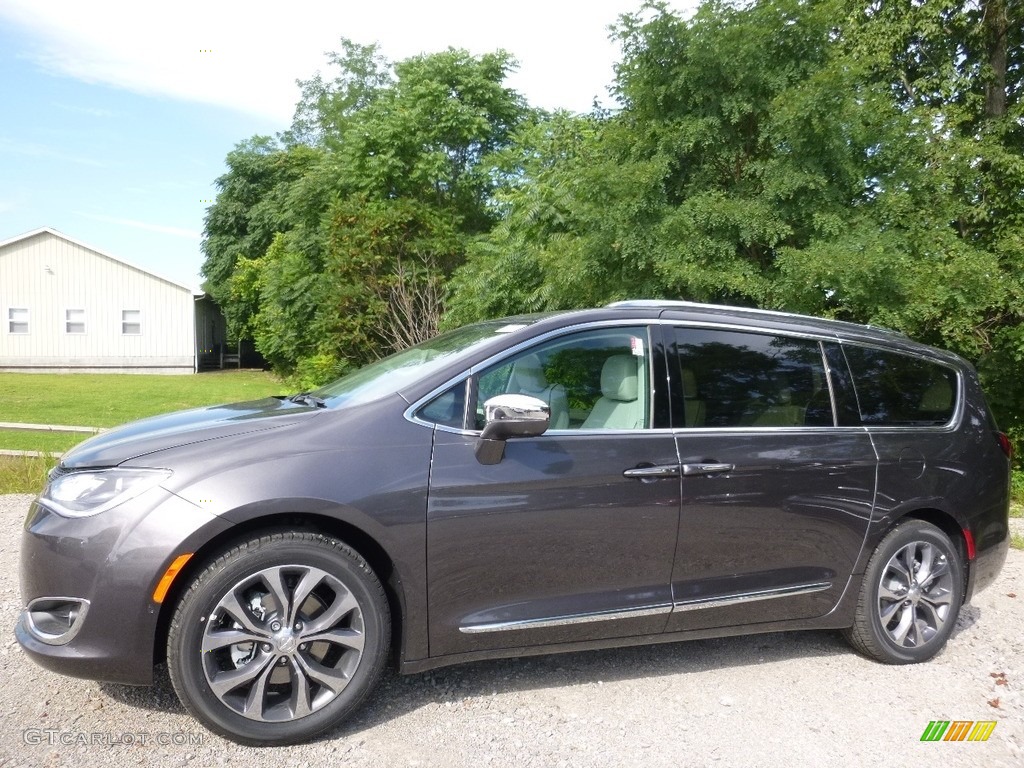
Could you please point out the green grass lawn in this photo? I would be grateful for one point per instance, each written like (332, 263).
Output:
(102, 400)
(109, 399)
(24, 474)
(50, 442)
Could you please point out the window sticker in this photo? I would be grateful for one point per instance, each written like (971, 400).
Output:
(637, 345)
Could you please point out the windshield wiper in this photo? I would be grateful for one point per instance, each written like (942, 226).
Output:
(308, 398)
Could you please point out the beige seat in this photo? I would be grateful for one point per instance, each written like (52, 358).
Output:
(694, 410)
(782, 413)
(619, 406)
(528, 378)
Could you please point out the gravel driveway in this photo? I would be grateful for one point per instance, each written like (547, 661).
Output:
(794, 699)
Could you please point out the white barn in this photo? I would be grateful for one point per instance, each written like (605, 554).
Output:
(69, 307)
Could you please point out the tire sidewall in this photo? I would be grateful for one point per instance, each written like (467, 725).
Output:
(908, 533)
(185, 641)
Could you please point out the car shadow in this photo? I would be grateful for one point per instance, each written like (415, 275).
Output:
(397, 694)
(969, 615)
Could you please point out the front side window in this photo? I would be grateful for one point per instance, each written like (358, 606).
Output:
(448, 408)
(74, 321)
(597, 379)
(17, 320)
(131, 322)
(737, 379)
(895, 389)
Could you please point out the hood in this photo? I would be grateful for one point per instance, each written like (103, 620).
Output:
(173, 430)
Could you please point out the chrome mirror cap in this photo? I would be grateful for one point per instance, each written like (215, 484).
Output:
(507, 416)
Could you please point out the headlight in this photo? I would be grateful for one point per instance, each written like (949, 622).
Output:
(82, 494)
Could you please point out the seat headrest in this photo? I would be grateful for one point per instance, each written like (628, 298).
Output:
(618, 378)
(938, 397)
(528, 375)
(689, 383)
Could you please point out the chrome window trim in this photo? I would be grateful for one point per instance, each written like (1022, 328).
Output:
(569, 619)
(751, 430)
(821, 337)
(747, 597)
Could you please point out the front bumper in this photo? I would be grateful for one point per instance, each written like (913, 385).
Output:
(110, 563)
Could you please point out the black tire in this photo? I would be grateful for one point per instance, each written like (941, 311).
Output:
(903, 617)
(316, 652)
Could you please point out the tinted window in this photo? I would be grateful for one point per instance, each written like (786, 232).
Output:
(735, 379)
(448, 408)
(591, 380)
(899, 390)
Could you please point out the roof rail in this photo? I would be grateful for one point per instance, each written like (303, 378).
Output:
(680, 304)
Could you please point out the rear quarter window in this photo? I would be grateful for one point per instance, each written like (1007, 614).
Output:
(900, 390)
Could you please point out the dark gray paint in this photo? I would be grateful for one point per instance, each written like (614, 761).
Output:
(553, 531)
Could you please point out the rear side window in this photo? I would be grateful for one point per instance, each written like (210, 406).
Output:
(899, 390)
(737, 379)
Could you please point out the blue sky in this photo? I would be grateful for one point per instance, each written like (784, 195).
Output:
(118, 114)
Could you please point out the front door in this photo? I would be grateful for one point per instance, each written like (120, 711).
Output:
(561, 540)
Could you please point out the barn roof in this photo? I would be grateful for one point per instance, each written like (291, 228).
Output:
(98, 252)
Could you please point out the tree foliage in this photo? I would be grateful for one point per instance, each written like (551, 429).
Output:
(823, 156)
(331, 243)
(863, 161)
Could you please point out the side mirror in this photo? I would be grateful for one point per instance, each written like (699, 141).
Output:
(508, 416)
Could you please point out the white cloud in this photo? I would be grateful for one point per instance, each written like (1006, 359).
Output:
(258, 49)
(162, 229)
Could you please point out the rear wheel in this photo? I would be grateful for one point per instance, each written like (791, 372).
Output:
(910, 596)
(279, 639)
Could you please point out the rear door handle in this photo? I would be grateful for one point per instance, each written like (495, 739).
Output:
(652, 473)
(707, 469)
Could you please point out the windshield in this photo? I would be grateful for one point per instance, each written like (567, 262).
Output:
(394, 373)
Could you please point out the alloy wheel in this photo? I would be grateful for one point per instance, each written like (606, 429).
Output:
(915, 594)
(282, 643)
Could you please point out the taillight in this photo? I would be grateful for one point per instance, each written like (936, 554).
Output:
(1005, 444)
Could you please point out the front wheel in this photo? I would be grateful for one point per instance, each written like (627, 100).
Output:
(910, 596)
(279, 639)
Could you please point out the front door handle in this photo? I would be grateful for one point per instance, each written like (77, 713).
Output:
(652, 473)
(707, 469)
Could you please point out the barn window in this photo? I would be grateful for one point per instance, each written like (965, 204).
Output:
(17, 320)
(74, 321)
(131, 322)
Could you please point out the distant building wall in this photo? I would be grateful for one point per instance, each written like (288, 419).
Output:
(68, 307)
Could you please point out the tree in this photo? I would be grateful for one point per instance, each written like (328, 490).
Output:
(861, 162)
(251, 207)
(333, 242)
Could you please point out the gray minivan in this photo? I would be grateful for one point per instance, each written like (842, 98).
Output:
(645, 472)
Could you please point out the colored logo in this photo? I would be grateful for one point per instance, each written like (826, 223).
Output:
(958, 730)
